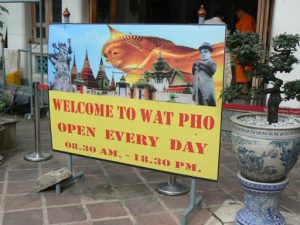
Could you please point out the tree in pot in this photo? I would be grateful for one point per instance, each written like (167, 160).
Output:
(267, 146)
(4, 104)
(4, 101)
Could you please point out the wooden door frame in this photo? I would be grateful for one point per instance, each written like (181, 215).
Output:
(93, 11)
(265, 12)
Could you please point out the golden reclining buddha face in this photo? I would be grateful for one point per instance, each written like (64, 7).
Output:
(123, 56)
(134, 54)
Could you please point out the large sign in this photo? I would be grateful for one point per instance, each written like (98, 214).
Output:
(143, 95)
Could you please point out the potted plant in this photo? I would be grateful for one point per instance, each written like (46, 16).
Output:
(7, 137)
(2, 107)
(4, 101)
(267, 146)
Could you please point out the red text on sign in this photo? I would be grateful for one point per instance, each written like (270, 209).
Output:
(196, 121)
(187, 146)
(157, 117)
(133, 138)
(76, 129)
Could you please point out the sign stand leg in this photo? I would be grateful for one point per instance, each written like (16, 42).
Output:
(195, 201)
(172, 188)
(79, 175)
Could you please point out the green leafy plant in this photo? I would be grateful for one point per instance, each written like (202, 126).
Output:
(2, 9)
(248, 51)
(4, 101)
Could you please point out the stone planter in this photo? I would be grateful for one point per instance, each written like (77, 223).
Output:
(8, 138)
(2, 130)
(265, 154)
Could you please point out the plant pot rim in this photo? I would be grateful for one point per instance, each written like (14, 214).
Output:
(4, 120)
(236, 120)
(245, 180)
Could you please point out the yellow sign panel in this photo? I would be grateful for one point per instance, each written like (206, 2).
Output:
(172, 137)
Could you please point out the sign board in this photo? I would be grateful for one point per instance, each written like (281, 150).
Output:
(142, 95)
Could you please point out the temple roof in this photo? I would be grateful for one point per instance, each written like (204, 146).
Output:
(160, 69)
(101, 75)
(78, 80)
(74, 71)
(181, 78)
(112, 84)
(122, 82)
(161, 65)
(87, 73)
(142, 83)
(86, 63)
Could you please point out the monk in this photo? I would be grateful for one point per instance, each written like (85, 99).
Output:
(246, 23)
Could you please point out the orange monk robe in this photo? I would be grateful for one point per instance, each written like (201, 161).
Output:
(245, 24)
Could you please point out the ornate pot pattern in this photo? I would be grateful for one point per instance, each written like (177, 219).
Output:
(261, 201)
(265, 154)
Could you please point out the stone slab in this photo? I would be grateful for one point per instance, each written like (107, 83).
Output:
(226, 213)
(53, 177)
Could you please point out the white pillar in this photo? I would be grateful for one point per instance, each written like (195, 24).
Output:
(285, 19)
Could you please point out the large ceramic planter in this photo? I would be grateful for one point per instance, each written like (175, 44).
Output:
(264, 153)
(261, 201)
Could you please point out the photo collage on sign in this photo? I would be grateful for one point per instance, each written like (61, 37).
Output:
(168, 63)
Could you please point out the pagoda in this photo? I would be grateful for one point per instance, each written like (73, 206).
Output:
(101, 79)
(87, 74)
(74, 71)
(113, 84)
(160, 74)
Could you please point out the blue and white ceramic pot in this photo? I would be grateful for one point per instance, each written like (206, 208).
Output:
(265, 153)
(261, 202)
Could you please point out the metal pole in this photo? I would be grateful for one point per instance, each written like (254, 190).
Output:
(41, 47)
(37, 156)
(37, 120)
(30, 77)
(79, 175)
(66, 17)
(70, 163)
(3, 62)
(29, 51)
(195, 201)
(171, 188)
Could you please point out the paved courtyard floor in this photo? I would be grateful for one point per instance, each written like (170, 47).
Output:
(113, 194)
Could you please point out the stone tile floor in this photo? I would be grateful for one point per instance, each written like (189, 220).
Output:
(113, 194)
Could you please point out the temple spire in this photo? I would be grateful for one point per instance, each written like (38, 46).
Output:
(74, 71)
(86, 55)
(86, 63)
(113, 84)
(101, 66)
